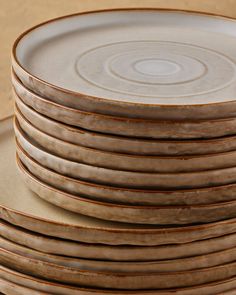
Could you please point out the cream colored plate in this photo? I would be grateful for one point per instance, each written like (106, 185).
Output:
(119, 161)
(124, 178)
(126, 253)
(124, 125)
(182, 264)
(21, 207)
(131, 196)
(137, 63)
(124, 213)
(43, 285)
(126, 145)
(131, 281)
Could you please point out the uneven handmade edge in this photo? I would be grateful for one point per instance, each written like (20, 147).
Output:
(20, 199)
(164, 57)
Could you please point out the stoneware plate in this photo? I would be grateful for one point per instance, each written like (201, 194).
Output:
(131, 196)
(112, 143)
(182, 214)
(121, 177)
(125, 253)
(21, 207)
(58, 288)
(124, 161)
(182, 264)
(147, 63)
(10, 288)
(126, 126)
(132, 280)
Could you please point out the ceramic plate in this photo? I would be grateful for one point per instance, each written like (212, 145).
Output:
(135, 62)
(21, 207)
(120, 177)
(126, 253)
(11, 288)
(124, 125)
(106, 193)
(43, 285)
(126, 145)
(124, 161)
(131, 281)
(182, 264)
(182, 214)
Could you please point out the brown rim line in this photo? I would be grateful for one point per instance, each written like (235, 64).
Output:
(10, 272)
(15, 59)
(128, 189)
(27, 217)
(175, 157)
(35, 179)
(119, 274)
(118, 118)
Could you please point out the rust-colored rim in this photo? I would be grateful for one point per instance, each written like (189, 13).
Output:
(39, 280)
(115, 102)
(165, 230)
(116, 118)
(121, 206)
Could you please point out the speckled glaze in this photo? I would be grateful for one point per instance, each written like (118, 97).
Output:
(126, 126)
(106, 193)
(142, 109)
(182, 264)
(7, 287)
(126, 253)
(43, 285)
(124, 178)
(131, 281)
(134, 214)
(120, 144)
(126, 162)
(21, 207)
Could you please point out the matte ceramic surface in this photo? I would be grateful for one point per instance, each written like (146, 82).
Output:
(138, 63)
(182, 264)
(43, 285)
(123, 253)
(106, 193)
(123, 161)
(124, 125)
(124, 178)
(7, 287)
(21, 207)
(131, 281)
(120, 144)
(133, 214)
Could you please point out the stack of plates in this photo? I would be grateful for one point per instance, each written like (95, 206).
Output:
(125, 133)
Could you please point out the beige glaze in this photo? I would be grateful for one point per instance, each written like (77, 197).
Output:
(120, 144)
(126, 253)
(124, 178)
(21, 207)
(43, 285)
(126, 126)
(133, 214)
(182, 264)
(119, 161)
(105, 193)
(82, 40)
(131, 281)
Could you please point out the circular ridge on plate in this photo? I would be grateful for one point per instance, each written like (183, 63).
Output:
(147, 63)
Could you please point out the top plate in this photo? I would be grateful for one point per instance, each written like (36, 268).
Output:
(138, 63)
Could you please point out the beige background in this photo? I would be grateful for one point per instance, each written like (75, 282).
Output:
(18, 15)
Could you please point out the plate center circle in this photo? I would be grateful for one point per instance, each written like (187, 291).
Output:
(156, 67)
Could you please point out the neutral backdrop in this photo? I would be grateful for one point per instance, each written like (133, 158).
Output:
(18, 15)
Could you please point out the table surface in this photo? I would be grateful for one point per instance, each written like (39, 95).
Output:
(18, 15)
